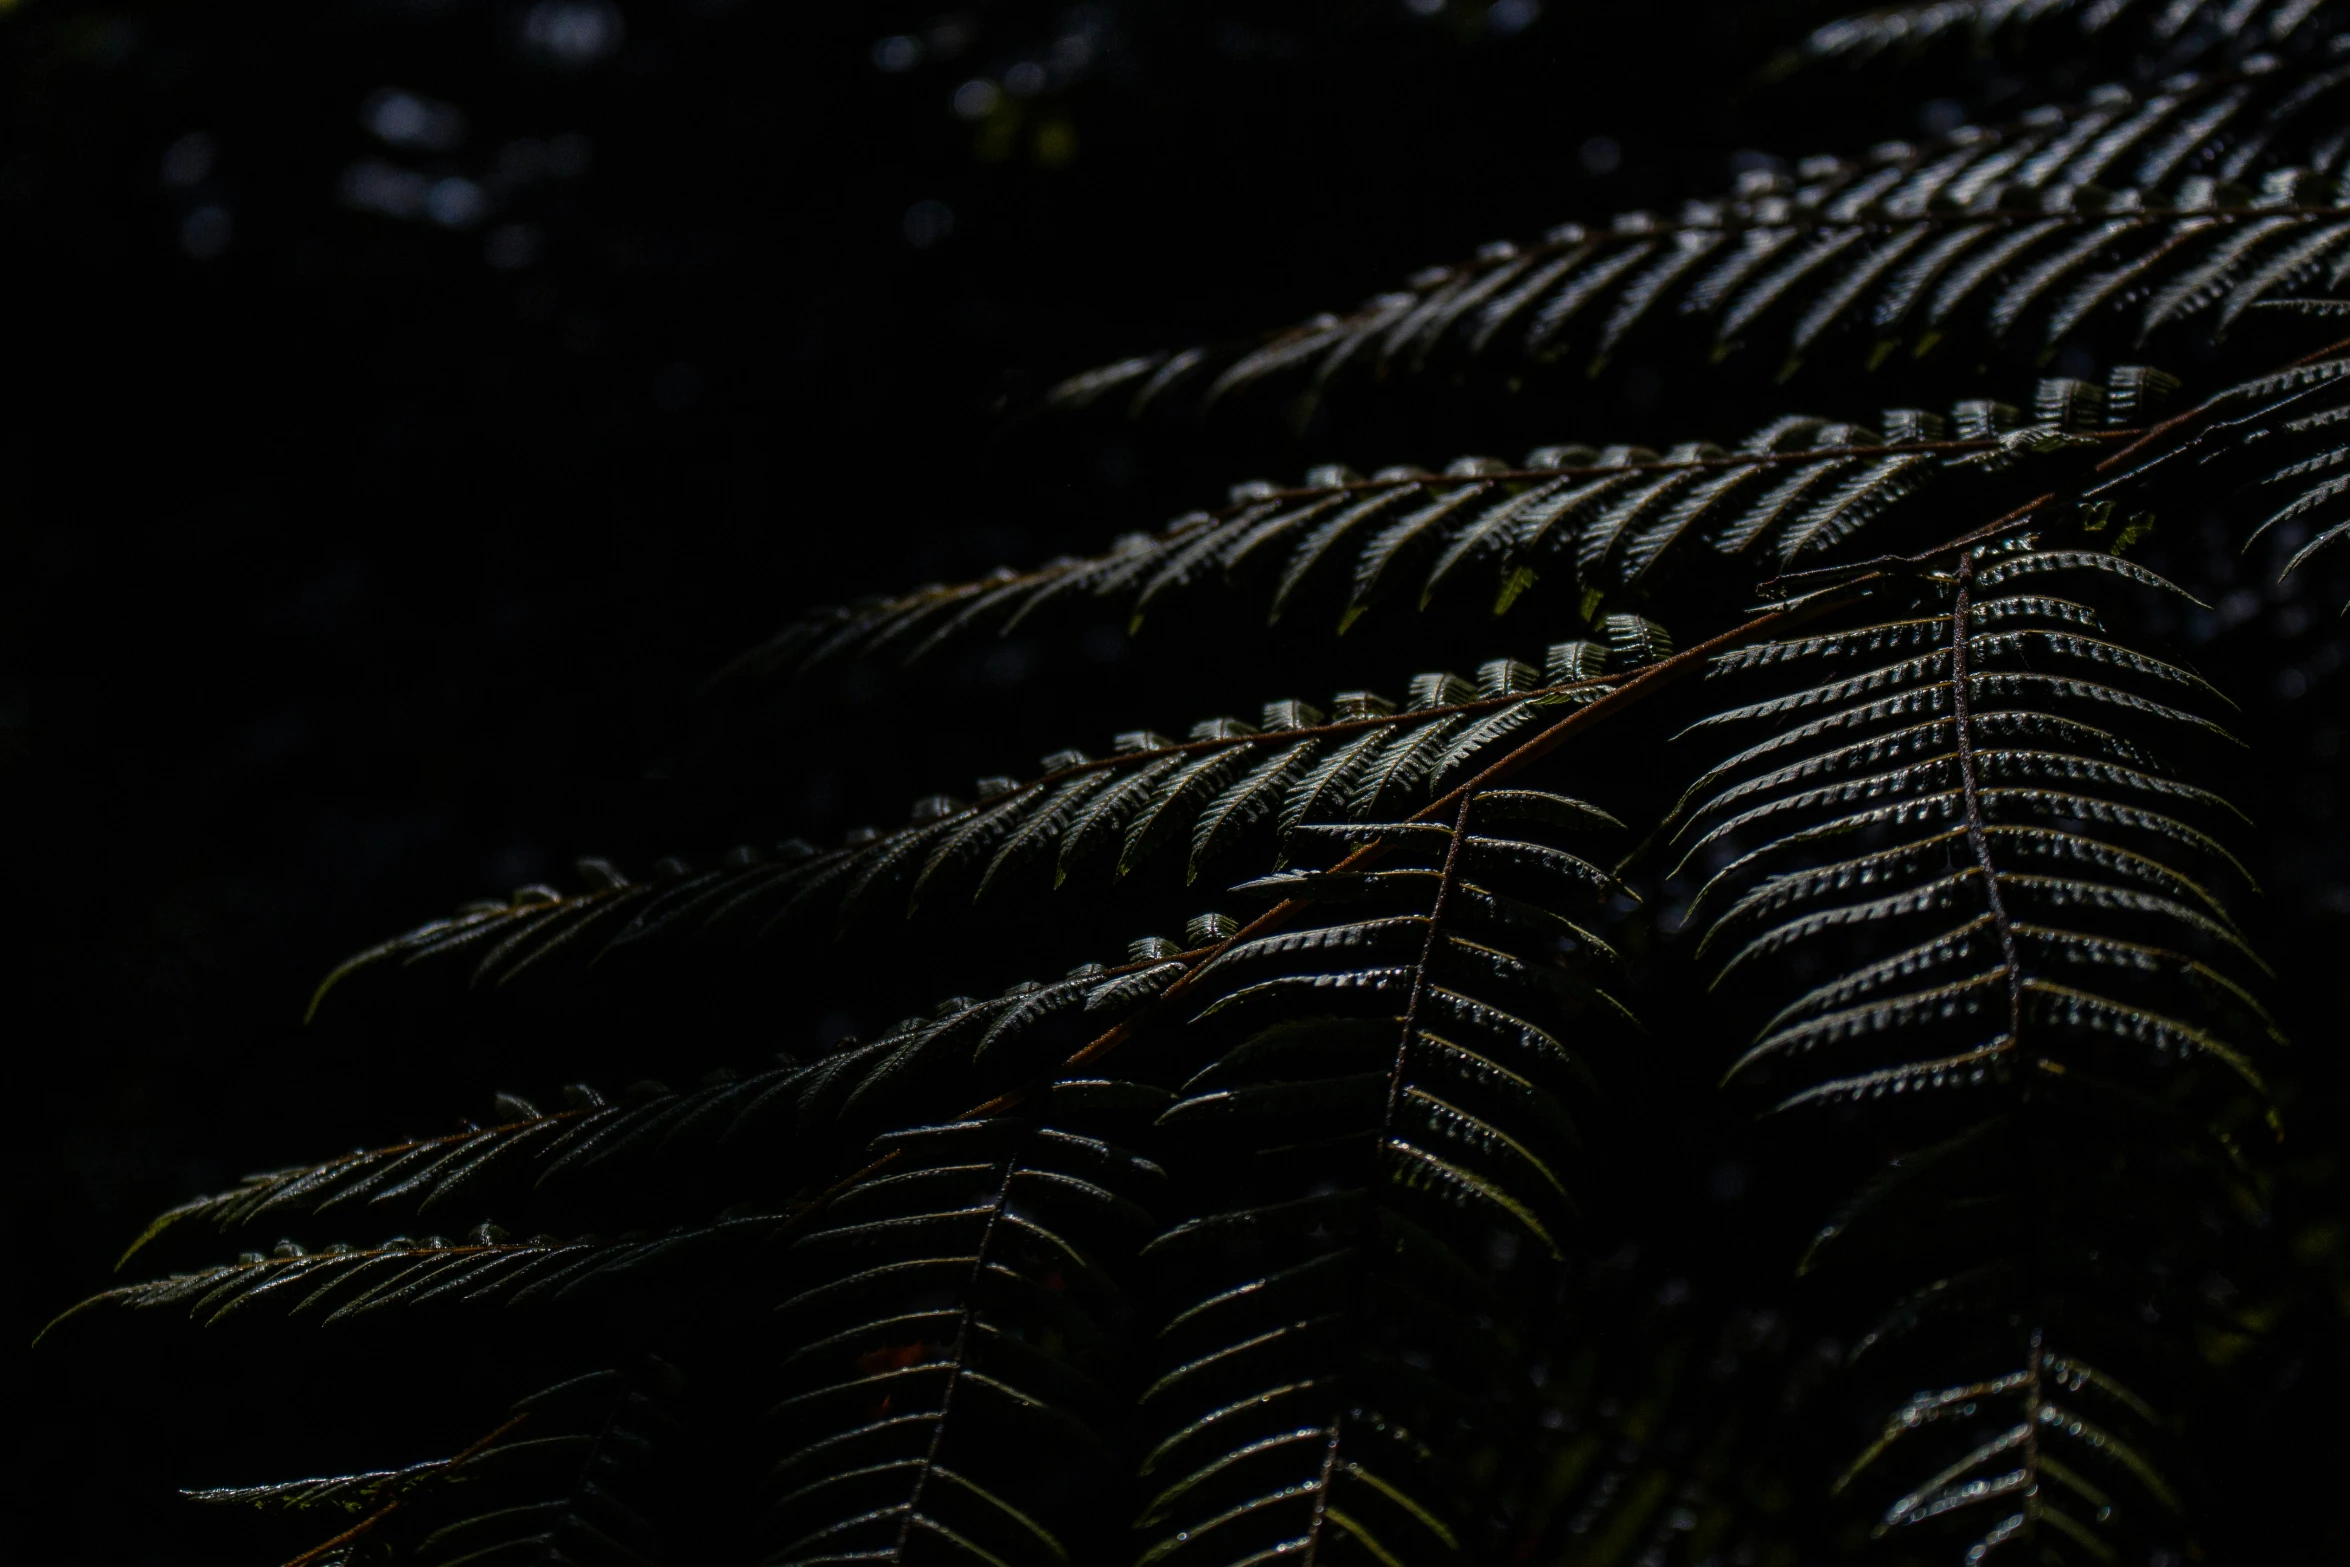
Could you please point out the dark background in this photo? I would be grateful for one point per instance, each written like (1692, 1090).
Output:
(412, 403)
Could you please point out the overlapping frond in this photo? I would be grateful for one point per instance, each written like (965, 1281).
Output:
(557, 1481)
(1478, 1130)
(1955, 863)
(2137, 220)
(1574, 531)
(1380, 1134)
(959, 1320)
(708, 1179)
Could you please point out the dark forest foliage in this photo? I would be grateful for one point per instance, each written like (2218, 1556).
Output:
(1743, 974)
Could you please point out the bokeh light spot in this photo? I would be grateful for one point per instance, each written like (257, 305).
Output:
(976, 99)
(573, 33)
(928, 222)
(188, 161)
(205, 232)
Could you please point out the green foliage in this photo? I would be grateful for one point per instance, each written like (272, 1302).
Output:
(958, 1328)
(1204, 799)
(1986, 839)
(2167, 31)
(2133, 221)
(1319, 1235)
(1593, 526)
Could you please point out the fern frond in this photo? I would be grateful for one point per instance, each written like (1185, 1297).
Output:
(1598, 530)
(2137, 217)
(2061, 1406)
(958, 1319)
(763, 1151)
(1382, 1111)
(1348, 1232)
(591, 1160)
(2002, 940)
(1208, 793)
(2176, 32)
(343, 1281)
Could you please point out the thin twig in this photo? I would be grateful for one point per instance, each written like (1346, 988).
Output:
(2155, 432)
(376, 1518)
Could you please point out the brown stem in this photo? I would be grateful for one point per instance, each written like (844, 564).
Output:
(2156, 432)
(376, 1518)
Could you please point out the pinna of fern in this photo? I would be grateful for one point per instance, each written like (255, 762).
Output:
(2155, 36)
(1576, 530)
(2136, 222)
(1956, 866)
(1202, 801)
(1381, 1124)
